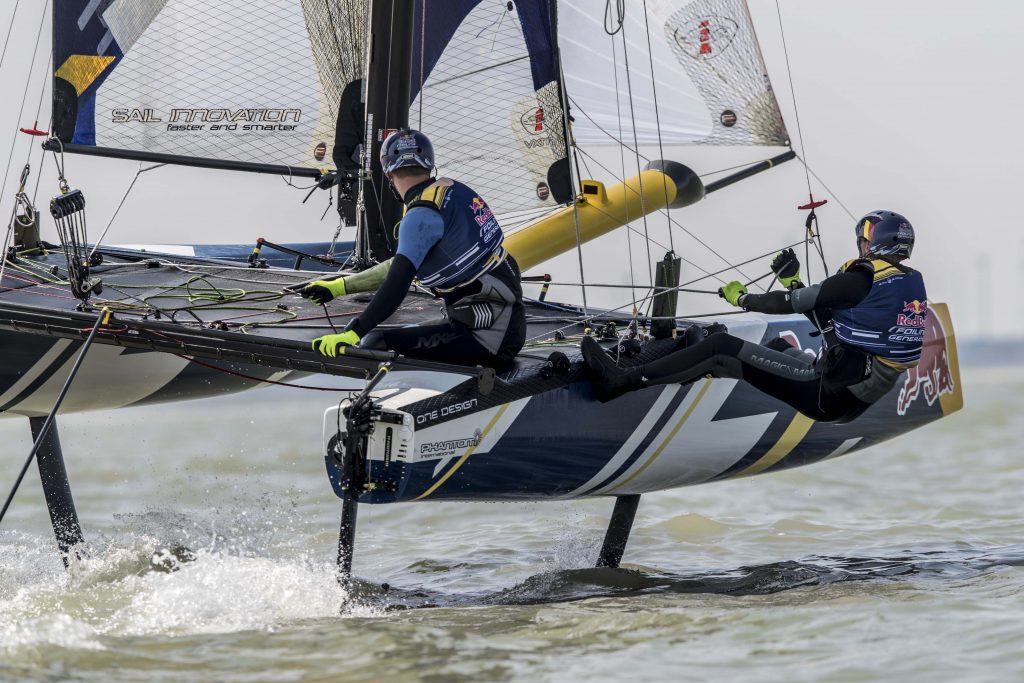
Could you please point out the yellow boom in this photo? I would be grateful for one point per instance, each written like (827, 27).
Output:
(601, 210)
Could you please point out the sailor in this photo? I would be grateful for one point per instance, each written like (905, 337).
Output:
(450, 242)
(348, 146)
(871, 315)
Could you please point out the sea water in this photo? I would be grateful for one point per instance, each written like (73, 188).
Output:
(902, 562)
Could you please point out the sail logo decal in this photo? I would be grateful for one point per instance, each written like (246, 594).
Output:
(931, 378)
(533, 121)
(706, 37)
(534, 124)
(214, 120)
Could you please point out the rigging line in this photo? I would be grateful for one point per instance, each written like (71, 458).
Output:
(24, 97)
(636, 140)
(674, 223)
(792, 92)
(827, 189)
(603, 130)
(733, 168)
(10, 28)
(101, 319)
(234, 373)
(39, 109)
(620, 16)
(434, 84)
(659, 292)
(657, 117)
(622, 161)
(570, 143)
(121, 204)
(423, 51)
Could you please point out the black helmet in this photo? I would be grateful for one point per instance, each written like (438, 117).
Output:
(887, 234)
(406, 147)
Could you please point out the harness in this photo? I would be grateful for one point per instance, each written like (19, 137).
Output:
(867, 347)
(469, 268)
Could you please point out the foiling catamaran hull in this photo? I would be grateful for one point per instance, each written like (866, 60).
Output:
(542, 435)
(33, 367)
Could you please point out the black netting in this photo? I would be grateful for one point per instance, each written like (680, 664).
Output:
(714, 40)
(237, 80)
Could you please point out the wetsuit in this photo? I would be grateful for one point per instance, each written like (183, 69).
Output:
(450, 242)
(870, 339)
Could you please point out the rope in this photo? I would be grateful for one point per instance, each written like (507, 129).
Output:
(657, 116)
(682, 287)
(792, 92)
(10, 28)
(24, 96)
(815, 234)
(48, 423)
(622, 161)
(234, 373)
(827, 189)
(571, 141)
(672, 222)
(636, 143)
(121, 204)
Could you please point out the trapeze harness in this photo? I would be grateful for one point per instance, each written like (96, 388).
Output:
(484, 320)
(868, 341)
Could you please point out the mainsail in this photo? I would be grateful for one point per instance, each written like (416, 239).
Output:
(238, 81)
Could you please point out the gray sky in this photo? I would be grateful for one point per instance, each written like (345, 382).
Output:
(912, 106)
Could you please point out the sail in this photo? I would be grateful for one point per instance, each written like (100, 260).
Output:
(234, 80)
(486, 90)
(701, 74)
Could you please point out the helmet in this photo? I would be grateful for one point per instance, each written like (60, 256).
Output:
(404, 148)
(887, 233)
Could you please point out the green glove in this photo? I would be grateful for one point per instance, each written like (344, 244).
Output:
(333, 344)
(786, 267)
(322, 291)
(732, 292)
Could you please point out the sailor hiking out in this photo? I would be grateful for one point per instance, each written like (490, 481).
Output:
(450, 242)
(871, 315)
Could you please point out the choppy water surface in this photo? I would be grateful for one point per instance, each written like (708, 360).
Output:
(903, 562)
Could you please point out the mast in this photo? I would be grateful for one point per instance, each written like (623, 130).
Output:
(388, 93)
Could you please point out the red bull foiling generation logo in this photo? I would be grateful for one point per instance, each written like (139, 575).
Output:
(932, 377)
(914, 314)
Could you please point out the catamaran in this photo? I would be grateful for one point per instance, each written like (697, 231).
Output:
(254, 87)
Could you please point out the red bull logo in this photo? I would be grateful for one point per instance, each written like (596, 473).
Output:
(932, 377)
(481, 212)
(914, 314)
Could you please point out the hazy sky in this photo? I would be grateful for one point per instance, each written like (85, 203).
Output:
(914, 106)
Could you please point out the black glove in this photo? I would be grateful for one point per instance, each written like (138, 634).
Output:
(786, 267)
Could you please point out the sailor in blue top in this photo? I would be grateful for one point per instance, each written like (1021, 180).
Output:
(450, 242)
(871, 315)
